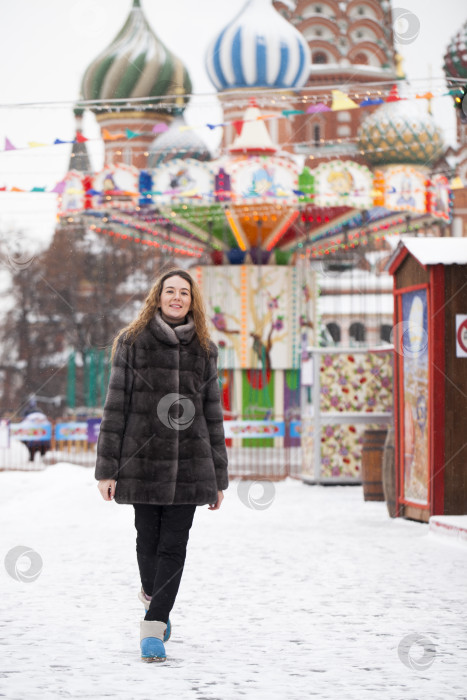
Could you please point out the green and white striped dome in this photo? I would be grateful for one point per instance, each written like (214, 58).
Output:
(399, 132)
(137, 64)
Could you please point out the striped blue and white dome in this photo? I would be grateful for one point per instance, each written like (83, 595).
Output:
(259, 48)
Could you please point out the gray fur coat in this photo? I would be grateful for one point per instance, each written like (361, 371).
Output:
(162, 433)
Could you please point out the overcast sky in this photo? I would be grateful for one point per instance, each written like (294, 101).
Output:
(46, 45)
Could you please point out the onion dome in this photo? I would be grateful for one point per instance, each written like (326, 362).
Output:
(177, 142)
(259, 48)
(455, 59)
(136, 64)
(399, 132)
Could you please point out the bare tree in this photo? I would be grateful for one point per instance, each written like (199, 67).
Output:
(74, 296)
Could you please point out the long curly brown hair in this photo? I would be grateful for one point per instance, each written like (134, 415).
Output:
(152, 303)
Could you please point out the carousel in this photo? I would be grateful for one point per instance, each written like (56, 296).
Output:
(254, 224)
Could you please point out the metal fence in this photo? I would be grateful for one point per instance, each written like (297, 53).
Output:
(260, 457)
(343, 392)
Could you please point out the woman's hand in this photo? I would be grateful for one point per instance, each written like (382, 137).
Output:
(107, 488)
(217, 504)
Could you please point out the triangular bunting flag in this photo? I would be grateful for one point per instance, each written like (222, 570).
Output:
(369, 102)
(320, 107)
(79, 138)
(159, 128)
(341, 101)
(59, 141)
(291, 112)
(425, 96)
(131, 134)
(36, 144)
(107, 136)
(38, 189)
(59, 187)
(237, 125)
(8, 145)
(393, 95)
(17, 189)
(456, 183)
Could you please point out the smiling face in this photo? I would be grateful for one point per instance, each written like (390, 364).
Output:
(175, 298)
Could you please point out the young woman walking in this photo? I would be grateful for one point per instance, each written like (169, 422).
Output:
(161, 445)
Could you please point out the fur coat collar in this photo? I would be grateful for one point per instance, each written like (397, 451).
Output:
(172, 335)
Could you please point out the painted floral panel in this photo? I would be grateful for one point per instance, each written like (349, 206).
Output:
(360, 382)
(352, 383)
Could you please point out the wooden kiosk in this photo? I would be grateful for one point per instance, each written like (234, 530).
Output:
(430, 376)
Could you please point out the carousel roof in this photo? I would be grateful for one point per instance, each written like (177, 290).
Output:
(399, 132)
(135, 64)
(258, 48)
(254, 136)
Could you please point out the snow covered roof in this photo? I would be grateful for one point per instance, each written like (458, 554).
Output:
(430, 251)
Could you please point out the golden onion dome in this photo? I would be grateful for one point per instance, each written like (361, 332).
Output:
(400, 132)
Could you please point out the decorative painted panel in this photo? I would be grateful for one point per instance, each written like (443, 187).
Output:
(259, 314)
(340, 183)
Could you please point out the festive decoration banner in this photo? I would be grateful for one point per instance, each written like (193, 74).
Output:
(263, 177)
(405, 189)
(72, 195)
(337, 100)
(270, 309)
(343, 183)
(116, 181)
(183, 178)
(439, 204)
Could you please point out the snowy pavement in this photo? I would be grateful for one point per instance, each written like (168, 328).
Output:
(316, 596)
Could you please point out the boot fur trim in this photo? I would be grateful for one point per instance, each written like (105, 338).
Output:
(152, 628)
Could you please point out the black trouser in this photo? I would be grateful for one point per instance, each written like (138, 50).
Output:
(161, 540)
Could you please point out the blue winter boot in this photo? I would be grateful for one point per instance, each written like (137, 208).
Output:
(146, 601)
(151, 635)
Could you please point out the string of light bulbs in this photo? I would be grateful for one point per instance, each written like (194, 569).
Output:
(167, 101)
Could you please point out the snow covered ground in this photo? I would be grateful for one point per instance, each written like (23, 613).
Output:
(316, 596)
